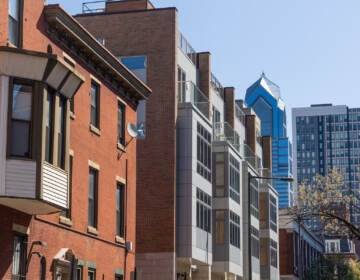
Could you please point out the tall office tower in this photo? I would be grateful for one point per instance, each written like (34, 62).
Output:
(264, 97)
(197, 217)
(327, 137)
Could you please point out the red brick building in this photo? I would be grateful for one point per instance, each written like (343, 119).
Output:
(67, 166)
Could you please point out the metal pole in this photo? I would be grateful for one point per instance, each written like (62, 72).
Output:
(249, 225)
(299, 248)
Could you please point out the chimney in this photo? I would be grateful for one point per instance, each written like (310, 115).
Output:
(204, 73)
(229, 98)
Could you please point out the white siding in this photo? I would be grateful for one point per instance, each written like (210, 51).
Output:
(4, 90)
(55, 186)
(20, 178)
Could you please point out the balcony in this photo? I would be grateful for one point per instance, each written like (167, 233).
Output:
(186, 48)
(34, 191)
(188, 92)
(215, 83)
(223, 131)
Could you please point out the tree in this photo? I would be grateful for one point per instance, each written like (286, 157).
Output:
(329, 202)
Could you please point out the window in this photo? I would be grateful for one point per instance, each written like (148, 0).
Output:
(273, 214)
(254, 200)
(79, 272)
(19, 257)
(21, 120)
(203, 152)
(91, 274)
(120, 210)
(182, 84)
(234, 229)
(121, 123)
(273, 253)
(93, 189)
(119, 277)
(49, 127)
(220, 226)
(234, 179)
(61, 133)
(255, 244)
(203, 210)
(95, 104)
(216, 115)
(14, 32)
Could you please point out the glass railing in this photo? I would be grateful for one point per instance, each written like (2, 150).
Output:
(217, 85)
(186, 48)
(251, 157)
(223, 131)
(188, 92)
(240, 115)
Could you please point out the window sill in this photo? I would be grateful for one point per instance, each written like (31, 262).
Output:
(119, 239)
(95, 130)
(92, 230)
(65, 221)
(121, 147)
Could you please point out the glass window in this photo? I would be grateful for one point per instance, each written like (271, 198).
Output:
(79, 272)
(121, 123)
(234, 229)
(95, 104)
(203, 152)
(14, 22)
(93, 186)
(203, 210)
(61, 133)
(49, 127)
(234, 166)
(120, 210)
(91, 274)
(67, 213)
(19, 257)
(21, 120)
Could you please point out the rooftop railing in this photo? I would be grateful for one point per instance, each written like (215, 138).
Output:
(188, 92)
(217, 85)
(186, 48)
(93, 7)
(240, 114)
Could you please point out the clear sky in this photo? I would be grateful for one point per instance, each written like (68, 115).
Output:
(310, 48)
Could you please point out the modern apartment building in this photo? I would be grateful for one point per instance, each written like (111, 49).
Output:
(67, 166)
(327, 137)
(264, 97)
(197, 185)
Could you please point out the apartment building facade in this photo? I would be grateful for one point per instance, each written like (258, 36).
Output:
(197, 217)
(264, 97)
(325, 137)
(67, 175)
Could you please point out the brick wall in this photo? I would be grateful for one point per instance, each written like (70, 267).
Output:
(286, 256)
(151, 33)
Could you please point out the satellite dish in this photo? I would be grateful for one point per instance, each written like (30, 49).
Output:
(132, 130)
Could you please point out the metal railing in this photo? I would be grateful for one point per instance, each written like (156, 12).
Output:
(93, 7)
(188, 92)
(186, 48)
(239, 113)
(217, 85)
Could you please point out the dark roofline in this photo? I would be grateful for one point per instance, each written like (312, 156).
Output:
(59, 19)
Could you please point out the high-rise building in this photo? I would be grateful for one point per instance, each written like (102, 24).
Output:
(264, 97)
(198, 165)
(67, 167)
(327, 137)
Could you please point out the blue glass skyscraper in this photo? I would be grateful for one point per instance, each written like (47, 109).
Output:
(264, 97)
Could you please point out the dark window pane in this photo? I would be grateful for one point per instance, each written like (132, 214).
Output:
(49, 127)
(92, 211)
(94, 104)
(20, 134)
(120, 210)
(121, 123)
(61, 133)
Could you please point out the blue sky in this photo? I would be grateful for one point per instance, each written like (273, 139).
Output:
(309, 48)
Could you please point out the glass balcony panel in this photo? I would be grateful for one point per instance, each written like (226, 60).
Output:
(188, 92)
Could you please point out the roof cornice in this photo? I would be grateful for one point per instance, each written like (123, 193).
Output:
(64, 28)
